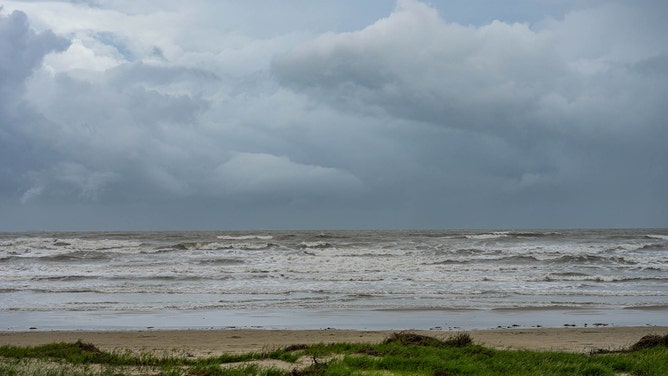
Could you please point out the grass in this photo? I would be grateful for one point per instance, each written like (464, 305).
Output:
(401, 354)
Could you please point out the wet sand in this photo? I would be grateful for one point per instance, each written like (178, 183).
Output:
(234, 341)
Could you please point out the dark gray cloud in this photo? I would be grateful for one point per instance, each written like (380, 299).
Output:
(127, 129)
(22, 53)
(23, 50)
(410, 119)
(571, 105)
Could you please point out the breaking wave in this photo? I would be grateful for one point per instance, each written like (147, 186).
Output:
(245, 237)
(328, 270)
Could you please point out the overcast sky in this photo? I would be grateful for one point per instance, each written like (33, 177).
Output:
(309, 114)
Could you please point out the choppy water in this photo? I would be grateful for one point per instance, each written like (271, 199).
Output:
(366, 270)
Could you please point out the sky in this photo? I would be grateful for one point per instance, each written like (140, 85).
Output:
(313, 114)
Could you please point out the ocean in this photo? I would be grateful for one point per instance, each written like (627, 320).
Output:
(346, 279)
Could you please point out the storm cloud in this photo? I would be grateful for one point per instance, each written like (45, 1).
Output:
(23, 50)
(127, 116)
(580, 72)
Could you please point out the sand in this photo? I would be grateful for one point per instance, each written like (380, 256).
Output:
(234, 341)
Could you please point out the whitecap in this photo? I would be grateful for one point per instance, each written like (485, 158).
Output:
(491, 235)
(660, 237)
(245, 237)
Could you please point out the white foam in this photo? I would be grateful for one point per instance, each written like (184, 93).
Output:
(491, 235)
(318, 244)
(245, 237)
(395, 269)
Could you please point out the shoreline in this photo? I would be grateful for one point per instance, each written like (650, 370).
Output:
(214, 342)
(315, 319)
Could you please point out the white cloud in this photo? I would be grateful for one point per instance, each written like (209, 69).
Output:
(31, 193)
(83, 54)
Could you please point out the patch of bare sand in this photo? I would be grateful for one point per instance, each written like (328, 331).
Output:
(203, 343)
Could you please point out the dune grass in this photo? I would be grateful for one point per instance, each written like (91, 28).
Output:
(400, 354)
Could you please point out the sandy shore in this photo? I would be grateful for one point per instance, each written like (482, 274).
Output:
(216, 342)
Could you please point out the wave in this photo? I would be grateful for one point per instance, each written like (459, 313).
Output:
(224, 261)
(63, 249)
(534, 234)
(575, 277)
(64, 278)
(471, 268)
(592, 259)
(488, 258)
(77, 256)
(244, 237)
(242, 246)
(332, 235)
(659, 237)
(518, 258)
(189, 246)
(451, 262)
(486, 236)
(649, 307)
(60, 257)
(510, 234)
(651, 247)
(312, 245)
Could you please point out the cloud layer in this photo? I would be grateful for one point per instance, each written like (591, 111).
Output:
(136, 117)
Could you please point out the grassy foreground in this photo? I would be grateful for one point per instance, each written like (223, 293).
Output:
(401, 354)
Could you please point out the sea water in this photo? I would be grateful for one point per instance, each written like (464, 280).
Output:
(358, 279)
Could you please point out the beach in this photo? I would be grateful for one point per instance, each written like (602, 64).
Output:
(202, 343)
(209, 293)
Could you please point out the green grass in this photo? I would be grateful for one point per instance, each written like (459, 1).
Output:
(400, 354)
